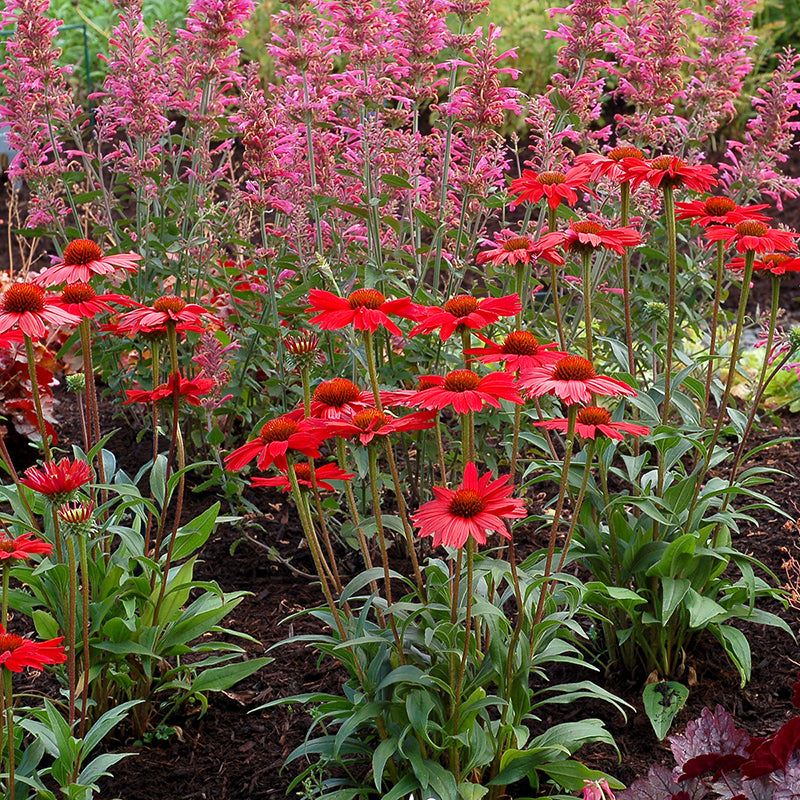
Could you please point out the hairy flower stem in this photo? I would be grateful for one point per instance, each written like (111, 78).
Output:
(551, 226)
(85, 598)
(6, 578)
(712, 346)
(155, 367)
(72, 588)
(586, 268)
(672, 244)
(8, 694)
(403, 514)
(572, 415)
(587, 471)
(353, 508)
(625, 201)
(37, 399)
(749, 259)
(455, 763)
(369, 351)
(91, 405)
(376, 510)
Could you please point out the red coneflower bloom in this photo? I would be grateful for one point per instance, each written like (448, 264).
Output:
(322, 474)
(573, 379)
(337, 398)
(168, 308)
(82, 259)
(24, 306)
(190, 390)
(592, 421)
(601, 164)
(519, 350)
(23, 547)
(276, 439)
(77, 517)
(669, 171)
(555, 186)
(752, 235)
(59, 481)
(776, 263)
(17, 653)
(478, 506)
(365, 309)
(718, 211)
(466, 311)
(371, 422)
(465, 391)
(81, 300)
(510, 248)
(588, 235)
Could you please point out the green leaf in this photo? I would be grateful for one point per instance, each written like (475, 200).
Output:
(703, 610)
(674, 590)
(737, 648)
(572, 775)
(219, 679)
(662, 702)
(46, 626)
(383, 752)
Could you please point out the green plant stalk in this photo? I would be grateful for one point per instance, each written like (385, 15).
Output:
(712, 346)
(749, 260)
(572, 415)
(376, 510)
(71, 614)
(155, 357)
(6, 581)
(86, 590)
(353, 507)
(403, 512)
(552, 216)
(625, 199)
(586, 268)
(316, 552)
(369, 351)
(672, 244)
(455, 762)
(587, 471)
(8, 693)
(37, 400)
(616, 565)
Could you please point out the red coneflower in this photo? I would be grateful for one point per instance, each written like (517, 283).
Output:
(465, 391)
(519, 350)
(25, 307)
(510, 248)
(276, 439)
(608, 164)
(555, 186)
(572, 379)
(23, 547)
(592, 421)
(82, 259)
(466, 311)
(167, 309)
(17, 653)
(478, 506)
(190, 390)
(365, 309)
(752, 235)
(338, 398)
(371, 422)
(81, 300)
(669, 171)
(718, 211)
(59, 481)
(776, 263)
(588, 235)
(322, 474)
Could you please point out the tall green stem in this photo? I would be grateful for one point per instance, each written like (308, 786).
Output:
(8, 693)
(712, 346)
(672, 244)
(586, 268)
(71, 614)
(37, 399)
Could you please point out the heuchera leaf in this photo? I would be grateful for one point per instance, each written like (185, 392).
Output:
(711, 743)
(773, 753)
(659, 785)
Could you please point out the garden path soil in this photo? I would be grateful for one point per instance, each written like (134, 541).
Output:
(234, 752)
